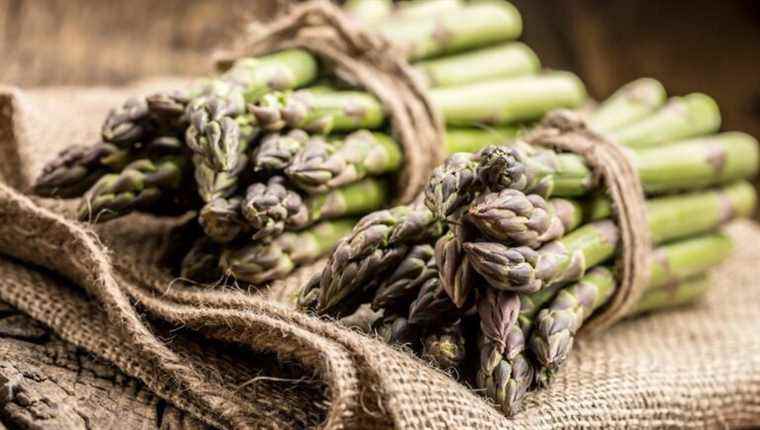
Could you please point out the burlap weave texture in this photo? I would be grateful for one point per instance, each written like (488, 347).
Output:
(696, 367)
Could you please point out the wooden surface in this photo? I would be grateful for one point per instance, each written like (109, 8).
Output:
(46, 383)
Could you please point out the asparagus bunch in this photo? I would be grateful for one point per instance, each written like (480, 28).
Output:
(276, 146)
(521, 240)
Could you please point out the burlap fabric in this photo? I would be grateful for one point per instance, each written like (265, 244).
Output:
(246, 359)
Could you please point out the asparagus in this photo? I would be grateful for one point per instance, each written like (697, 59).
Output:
(629, 104)
(684, 292)
(378, 242)
(272, 208)
(221, 219)
(395, 329)
(433, 307)
(522, 269)
(127, 123)
(77, 168)
(142, 185)
(557, 324)
(683, 165)
(508, 100)
(398, 289)
(527, 220)
(682, 117)
(471, 26)
(263, 262)
(503, 61)
(444, 347)
(504, 371)
(324, 166)
(276, 151)
(318, 112)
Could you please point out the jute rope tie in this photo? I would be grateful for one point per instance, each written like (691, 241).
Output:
(612, 167)
(367, 60)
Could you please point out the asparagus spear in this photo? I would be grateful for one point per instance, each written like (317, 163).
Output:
(398, 289)
(276, 151)
(273, 208)
(142, 185)
(682, 165)
(682, 117)
(523, 269)
(77, 168)
(378, 242)
(263, 262)
(472, 26)
(683, 293)
(318, 112)
(323, 166)
(557, 324)
(444, 347)
(629, 104)
(503, 61)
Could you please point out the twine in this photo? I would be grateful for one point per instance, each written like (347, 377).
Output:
(367, 60)
(566, 131)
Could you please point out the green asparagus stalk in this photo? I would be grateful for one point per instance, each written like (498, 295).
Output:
(433, 307)
(323, 166)
(504, 371)
(263, 262)
(684, 165)
(522, 269)
(557, 324)
(472, 26)
(629, 104)
(395, 329)
(378, 242)
(318, 112)
(142, 185)
(683, 293)
(508, 100)
(128, 123)
(504, 61)
(368, 11)
(681, 118)
(474, 139)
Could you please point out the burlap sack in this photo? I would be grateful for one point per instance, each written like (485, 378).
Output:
(246, 359)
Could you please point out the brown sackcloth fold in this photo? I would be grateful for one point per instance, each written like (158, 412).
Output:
(238, 359)
(366, 60)
(565, 130)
